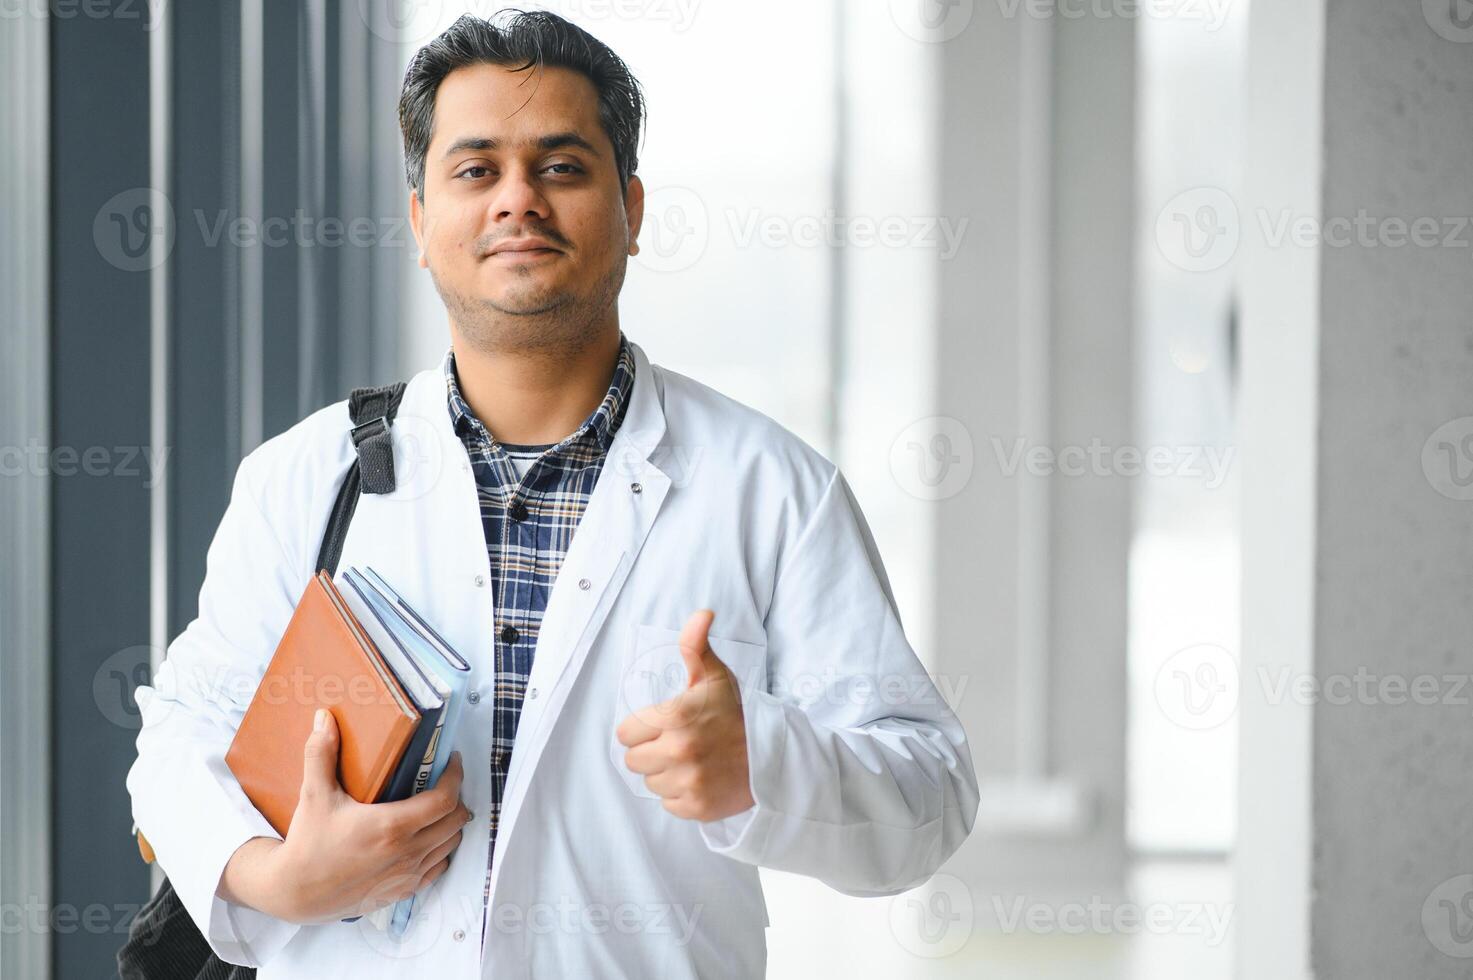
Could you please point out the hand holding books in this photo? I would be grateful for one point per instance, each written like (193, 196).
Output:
(363, 808)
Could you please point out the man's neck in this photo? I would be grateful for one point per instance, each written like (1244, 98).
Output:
(535, 398)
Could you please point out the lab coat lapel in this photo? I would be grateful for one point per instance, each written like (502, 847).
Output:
(619, 515)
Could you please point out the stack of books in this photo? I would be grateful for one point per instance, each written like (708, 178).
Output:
(393, 684)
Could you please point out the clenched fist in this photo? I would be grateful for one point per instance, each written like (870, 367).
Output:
(692, 748)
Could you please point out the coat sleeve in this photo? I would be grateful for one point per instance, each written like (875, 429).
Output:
(185, 799)
(860, 770)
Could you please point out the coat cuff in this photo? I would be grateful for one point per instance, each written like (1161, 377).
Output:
(743, 836)
(236, 933)
(194, 838)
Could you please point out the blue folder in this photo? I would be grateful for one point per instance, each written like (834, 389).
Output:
(433, 675)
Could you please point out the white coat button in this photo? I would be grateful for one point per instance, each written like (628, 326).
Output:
(637, 487)
(480, 581)
(584, 584)
(532, 694)
(458, 935)
(474, 697)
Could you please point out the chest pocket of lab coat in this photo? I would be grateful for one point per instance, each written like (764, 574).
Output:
(652, 671)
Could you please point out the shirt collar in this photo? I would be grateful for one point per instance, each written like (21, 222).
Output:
(600, 425)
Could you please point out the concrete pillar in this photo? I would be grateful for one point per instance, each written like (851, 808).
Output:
(1354, 859)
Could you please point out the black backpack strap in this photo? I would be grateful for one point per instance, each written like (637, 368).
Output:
(372, 411)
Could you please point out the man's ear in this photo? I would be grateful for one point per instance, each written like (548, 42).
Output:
(417, 223)
(634, 208)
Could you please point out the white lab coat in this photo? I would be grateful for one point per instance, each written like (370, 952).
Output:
(861, 773)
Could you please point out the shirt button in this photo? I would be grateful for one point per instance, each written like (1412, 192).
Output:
(474, 697)
(458, 935)
(509, 634)
(480, 581)
(519, 511)
(584, 584)
(637, 487)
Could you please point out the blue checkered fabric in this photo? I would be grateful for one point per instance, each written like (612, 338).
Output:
(529, 521)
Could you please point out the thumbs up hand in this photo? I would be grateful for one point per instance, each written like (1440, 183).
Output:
(692, 748)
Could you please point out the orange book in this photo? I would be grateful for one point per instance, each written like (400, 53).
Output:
(325, 660)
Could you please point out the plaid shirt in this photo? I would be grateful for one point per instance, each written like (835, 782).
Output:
(529, 522)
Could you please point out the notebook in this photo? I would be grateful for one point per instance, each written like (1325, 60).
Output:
(394, 686)
(325, 659)
(436, 678)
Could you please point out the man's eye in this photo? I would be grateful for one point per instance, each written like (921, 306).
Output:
(469, 171)
(568, 168)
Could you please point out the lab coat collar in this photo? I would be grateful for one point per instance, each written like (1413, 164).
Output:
(636, 439)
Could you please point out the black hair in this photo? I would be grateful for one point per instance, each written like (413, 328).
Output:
(520, 40)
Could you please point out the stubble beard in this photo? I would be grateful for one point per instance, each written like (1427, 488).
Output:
(553, 324)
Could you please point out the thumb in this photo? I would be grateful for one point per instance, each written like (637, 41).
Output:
(695, 648)
(320, 757)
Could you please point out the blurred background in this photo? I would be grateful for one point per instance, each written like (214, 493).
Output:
(1143, 330)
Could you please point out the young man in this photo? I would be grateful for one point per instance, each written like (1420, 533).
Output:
(686, 658)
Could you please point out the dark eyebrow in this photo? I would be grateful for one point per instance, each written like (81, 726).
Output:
(552, 141)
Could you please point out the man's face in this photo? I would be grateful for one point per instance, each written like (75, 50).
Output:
(524, 228)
